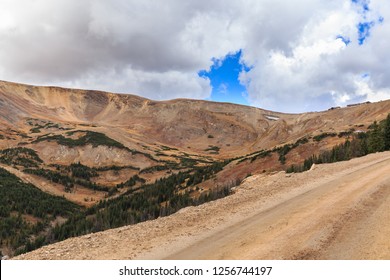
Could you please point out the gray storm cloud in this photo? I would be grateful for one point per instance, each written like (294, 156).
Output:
(156, 49)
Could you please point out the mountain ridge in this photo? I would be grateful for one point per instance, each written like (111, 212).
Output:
(103, 152)
(179, 122)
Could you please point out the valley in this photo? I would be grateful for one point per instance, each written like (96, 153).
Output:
(118, 160)
(335, 211)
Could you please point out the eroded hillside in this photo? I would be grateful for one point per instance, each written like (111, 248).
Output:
(192, 126)
(330, 212)
(124, 159)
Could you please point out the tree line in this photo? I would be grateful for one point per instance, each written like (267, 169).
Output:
(376, 139)
(18, 199)
(164, 197)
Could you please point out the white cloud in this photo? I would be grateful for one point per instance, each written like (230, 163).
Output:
(153, 85)
(318, 69)
(121, 46)
(366, 88)
(223, 88)
(155, 49)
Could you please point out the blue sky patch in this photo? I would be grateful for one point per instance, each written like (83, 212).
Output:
(223, 76)
(345, 40)
(363, 3)
(364, 31)
(365, 26)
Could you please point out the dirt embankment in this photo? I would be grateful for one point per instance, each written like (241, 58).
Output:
(335, 211)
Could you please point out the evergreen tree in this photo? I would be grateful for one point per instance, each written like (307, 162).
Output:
(386, 134)
(375, 139)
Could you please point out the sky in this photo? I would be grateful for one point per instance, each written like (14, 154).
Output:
(288, 56)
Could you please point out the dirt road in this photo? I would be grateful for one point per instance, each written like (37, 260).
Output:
(336, 211)
(328, 221)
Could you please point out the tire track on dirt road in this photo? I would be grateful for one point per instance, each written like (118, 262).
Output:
(305, 226)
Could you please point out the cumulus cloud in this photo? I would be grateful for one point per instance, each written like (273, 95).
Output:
(153, 85)
(328, 63)
(303, 76)
(303, 55)
(122, 46)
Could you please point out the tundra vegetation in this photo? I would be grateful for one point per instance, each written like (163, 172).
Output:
(30, 218)
(376, 139)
